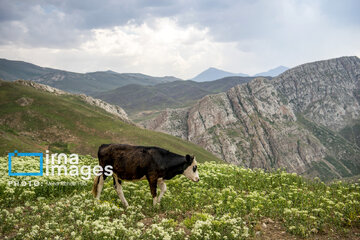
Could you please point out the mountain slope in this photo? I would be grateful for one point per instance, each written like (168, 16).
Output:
(13, 70)
(34, 120)
(89, 83)
(135, 98)
(299, 121)
(273, 72)
(241, 126)
(211, 74)
(326, 92)
(75, 82)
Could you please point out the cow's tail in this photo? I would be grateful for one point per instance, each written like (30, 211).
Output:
(95, 185)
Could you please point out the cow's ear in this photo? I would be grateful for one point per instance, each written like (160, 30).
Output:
(188, 158)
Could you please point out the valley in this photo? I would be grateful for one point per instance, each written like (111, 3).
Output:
(306, 120)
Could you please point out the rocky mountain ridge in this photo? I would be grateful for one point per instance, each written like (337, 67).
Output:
(292, 121)
(326, 92)
(113, 109)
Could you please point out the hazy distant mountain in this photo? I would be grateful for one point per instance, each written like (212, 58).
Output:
(75, 82)
(273, 72)
(89, 83)
(135, 97)
(214, 74)
(13, 70)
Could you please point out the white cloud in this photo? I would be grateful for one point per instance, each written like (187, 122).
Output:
(178, 38)
(160, 48)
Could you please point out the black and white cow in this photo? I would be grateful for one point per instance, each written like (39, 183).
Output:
(139, 163)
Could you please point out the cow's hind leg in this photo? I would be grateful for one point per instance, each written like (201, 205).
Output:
(119, 191)
(98, 185)
(153, 185)
(162, 186)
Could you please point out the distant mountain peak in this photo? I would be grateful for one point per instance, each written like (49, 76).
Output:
(213, 73)
(111, 71)
(273, 72)
(214, 68)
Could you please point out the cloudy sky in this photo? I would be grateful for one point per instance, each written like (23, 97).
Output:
(179, 38)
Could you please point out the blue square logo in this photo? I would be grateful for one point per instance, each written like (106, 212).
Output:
(16, 154)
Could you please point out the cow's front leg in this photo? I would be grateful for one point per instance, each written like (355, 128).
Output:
(153, 184)
(162, 187)
(119, 191)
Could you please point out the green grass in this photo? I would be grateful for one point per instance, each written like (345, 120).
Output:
(68, 124)
(228, 201)
(323, 171)
(339, 167)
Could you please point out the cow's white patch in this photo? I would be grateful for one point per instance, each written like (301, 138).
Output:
(162, 186)
(190, 173)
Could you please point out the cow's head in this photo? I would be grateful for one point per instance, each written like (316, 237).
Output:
(191, 172)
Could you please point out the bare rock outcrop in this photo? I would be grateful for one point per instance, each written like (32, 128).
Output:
(113, 109)
(242, 127)
(170, 120)
(24, 101)
(326, 92)
(42, 87)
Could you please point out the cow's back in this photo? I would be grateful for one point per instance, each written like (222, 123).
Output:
(128, 162)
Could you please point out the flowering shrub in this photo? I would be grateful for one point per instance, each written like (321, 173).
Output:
(227, 203)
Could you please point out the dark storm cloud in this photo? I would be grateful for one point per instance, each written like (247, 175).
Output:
(237, 35)
(38, 24)
(65, 23)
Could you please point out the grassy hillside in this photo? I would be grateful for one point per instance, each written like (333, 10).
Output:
(342, 153)
(134, 98)
(65, 123)
(228, 203)
(352, 133)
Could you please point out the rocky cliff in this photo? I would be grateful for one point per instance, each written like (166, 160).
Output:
(326, 92)
(289, 122)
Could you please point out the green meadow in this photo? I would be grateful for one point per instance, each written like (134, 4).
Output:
(229, 202)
